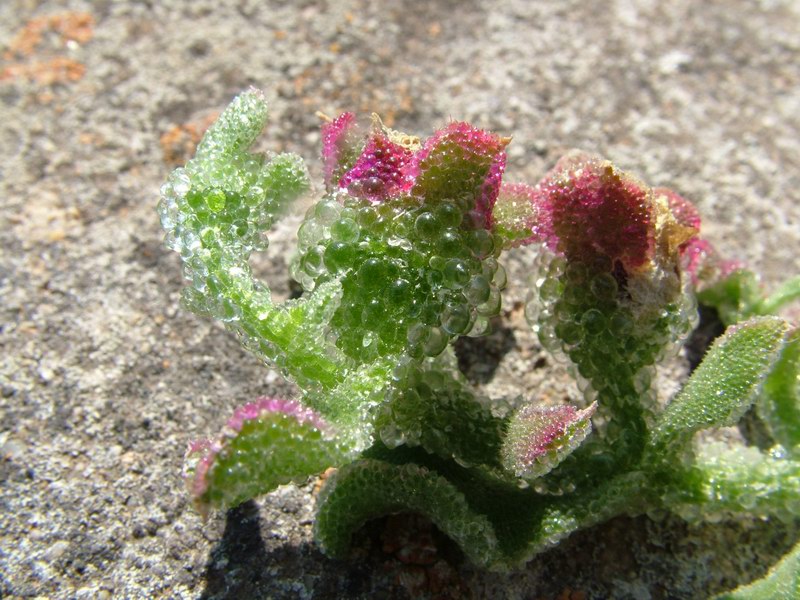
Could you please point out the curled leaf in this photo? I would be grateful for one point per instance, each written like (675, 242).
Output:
(539, 438)
(266, 443)
(369, 488)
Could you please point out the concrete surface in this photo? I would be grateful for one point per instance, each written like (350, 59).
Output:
(104, 378)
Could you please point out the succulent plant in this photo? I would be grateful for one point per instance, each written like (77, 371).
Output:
(400, 258)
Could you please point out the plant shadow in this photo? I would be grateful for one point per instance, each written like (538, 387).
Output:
(239, 559)
(479, 358)
(244, 564)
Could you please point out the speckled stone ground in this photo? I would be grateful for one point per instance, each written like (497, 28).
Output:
(104, 378)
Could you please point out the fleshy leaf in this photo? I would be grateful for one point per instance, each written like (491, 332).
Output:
(462, 163)
(216, 212)
(735, 296)
(539, 438)
(283, 179)
(432, 409)
(236, 128)
(781, 582)
(779, 402)
(369, 488)
(381, 171)
(725, 384)
(593, 209)
(730, 479)
(266, 443)
(609, 296)
(340, 147)
(516, 214)
(498, 524)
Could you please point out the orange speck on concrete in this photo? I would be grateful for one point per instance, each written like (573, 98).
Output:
(47, 72)
(72, 26)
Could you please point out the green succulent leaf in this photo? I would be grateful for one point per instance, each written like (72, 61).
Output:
(515, 214)
(368, 488)
(778, 404)
(780, 583)
(265, 444)
(431, 408)
(725, 384)
(298, 328)
(728, 479)
(236, 128)
(735, 297)
(283, 179)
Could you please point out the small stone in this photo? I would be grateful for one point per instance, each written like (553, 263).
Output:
(56, 550)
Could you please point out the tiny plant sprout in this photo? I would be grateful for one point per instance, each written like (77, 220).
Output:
(399, 258)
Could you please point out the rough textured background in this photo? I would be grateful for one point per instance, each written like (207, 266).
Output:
(104, 378)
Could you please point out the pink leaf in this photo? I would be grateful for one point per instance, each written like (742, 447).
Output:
(200, 454)
(539, 438)
(338, 140)
(381, 171)
(591, 208)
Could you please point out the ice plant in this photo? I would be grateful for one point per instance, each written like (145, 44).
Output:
(398, 260)
(540, 437)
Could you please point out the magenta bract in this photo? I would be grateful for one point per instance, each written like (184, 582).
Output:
(589, 208)
(457, 163)
(339, 138)
(380, 172)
